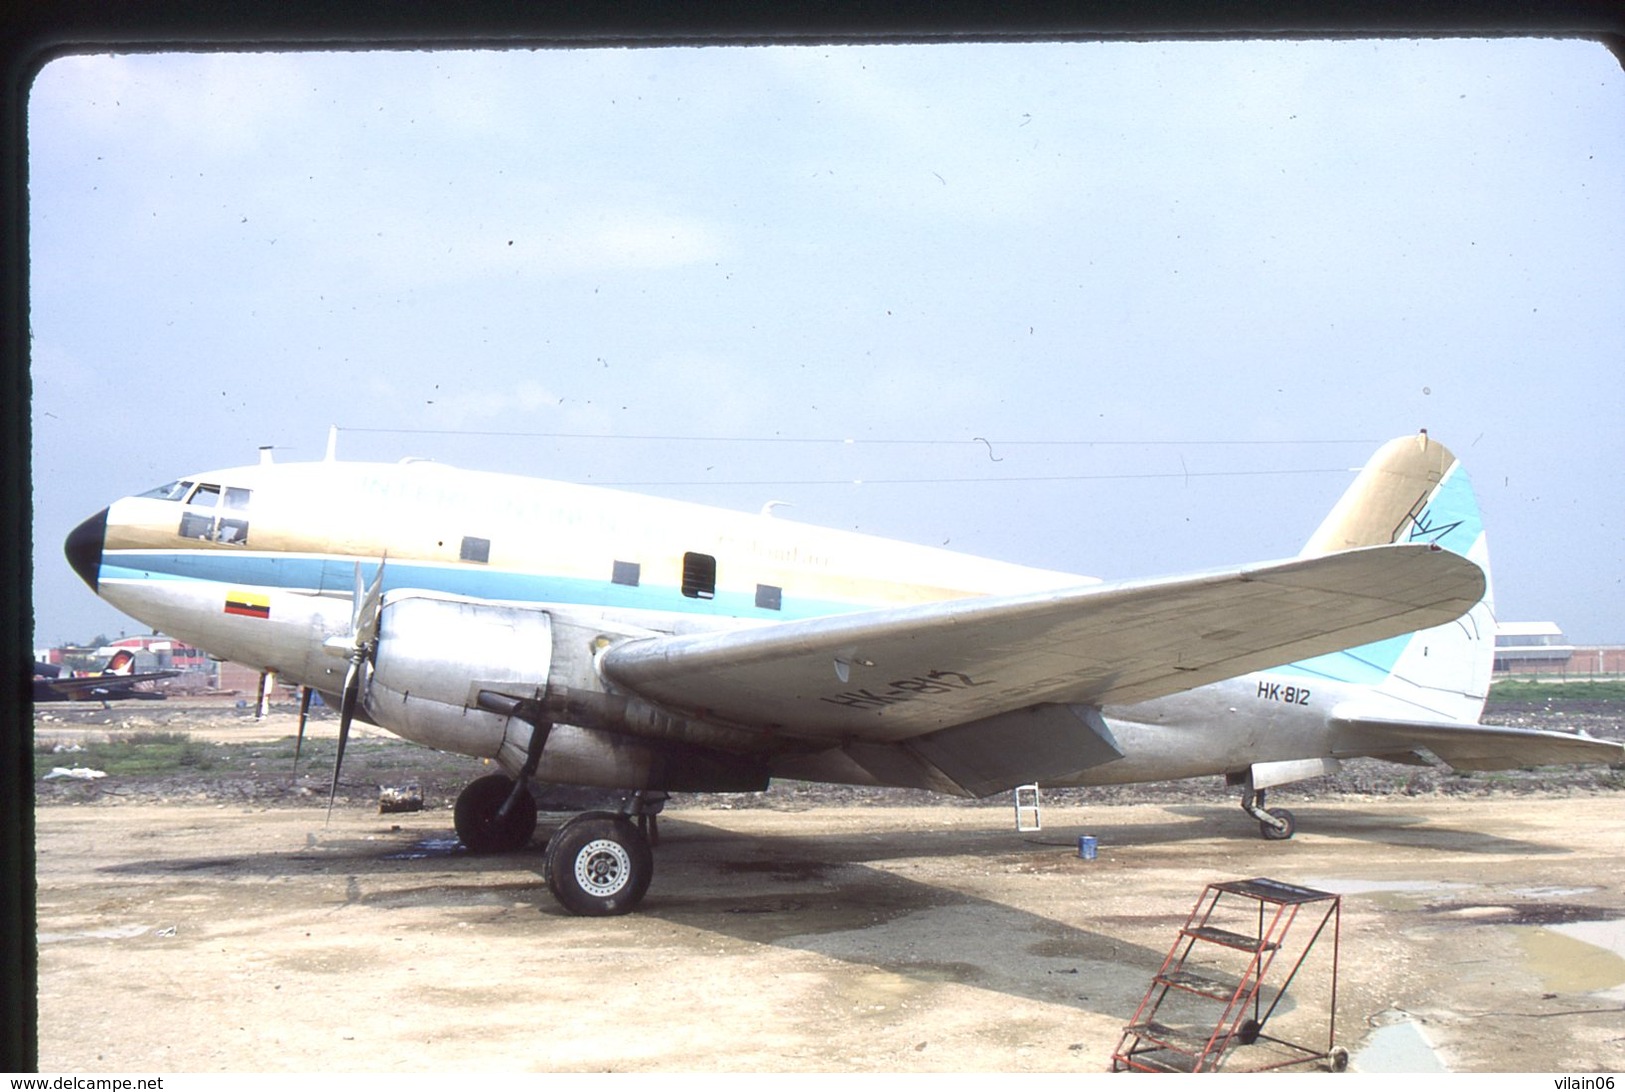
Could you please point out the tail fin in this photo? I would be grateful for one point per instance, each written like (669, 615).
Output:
(1415, 490)
(122, 662)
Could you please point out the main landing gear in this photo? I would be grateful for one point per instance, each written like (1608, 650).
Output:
(597, 864)
(600, 863)
(494, 814)
(1275, 824)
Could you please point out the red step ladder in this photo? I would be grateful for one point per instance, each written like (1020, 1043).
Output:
(1215, 993)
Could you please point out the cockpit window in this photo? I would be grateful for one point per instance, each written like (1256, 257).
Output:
(173, 491)
(199, 522)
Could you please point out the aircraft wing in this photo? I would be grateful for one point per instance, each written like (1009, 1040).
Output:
(894, 674)
(1469, 746)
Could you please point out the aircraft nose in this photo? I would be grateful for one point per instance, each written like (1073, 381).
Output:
(84, 548)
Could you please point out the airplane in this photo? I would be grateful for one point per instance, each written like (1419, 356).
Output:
(582, 636)
(117, 681)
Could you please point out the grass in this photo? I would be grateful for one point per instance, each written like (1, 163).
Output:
(1529, 690)
(139, 754)
(158, 754)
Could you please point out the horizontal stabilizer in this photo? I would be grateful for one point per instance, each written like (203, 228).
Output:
(1469, 746)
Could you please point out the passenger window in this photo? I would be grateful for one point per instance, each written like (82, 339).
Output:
(475, 549)
(699, 576)
(627, 572)
(768, 597)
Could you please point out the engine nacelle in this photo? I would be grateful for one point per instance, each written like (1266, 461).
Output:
(472, 676)
(436, 653)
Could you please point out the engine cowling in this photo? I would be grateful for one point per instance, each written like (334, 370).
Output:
(436, 653)
(473, 677)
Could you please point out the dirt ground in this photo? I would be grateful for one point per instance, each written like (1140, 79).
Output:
(1482, 933)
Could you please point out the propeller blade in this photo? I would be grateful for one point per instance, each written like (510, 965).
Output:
(363, 630)
(364, 620)
(304, 715)
(352, 690)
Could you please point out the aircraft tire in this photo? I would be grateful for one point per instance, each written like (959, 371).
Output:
(1271, 834)
(475, 816)
(598, 865)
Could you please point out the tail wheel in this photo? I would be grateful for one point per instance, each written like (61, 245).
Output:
(475, 816)
(598, 864)
(1273, 833)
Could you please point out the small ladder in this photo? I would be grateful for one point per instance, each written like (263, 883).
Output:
(1027, 817)
(1217, 969)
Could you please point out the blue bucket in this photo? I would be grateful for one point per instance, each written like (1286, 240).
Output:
(1086, 847)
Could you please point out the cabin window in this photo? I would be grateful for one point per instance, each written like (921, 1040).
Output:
(768, 597)
(628, 573)
(699, 576)
(475, 549)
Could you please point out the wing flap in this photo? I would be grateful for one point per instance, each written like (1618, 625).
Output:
(1479, 747)
(899, 673)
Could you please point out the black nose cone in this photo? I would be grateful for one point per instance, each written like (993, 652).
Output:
(84, 548)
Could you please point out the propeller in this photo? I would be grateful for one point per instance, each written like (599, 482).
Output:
(363, 633)
(304, 716)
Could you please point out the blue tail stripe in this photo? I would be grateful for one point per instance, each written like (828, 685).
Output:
(1451, 518)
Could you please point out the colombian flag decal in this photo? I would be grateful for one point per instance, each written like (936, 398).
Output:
(248, 604)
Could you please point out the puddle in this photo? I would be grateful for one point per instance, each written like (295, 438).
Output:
(428, 847)
(1542, 913)
(1604, 934)
(1569, 961)
(1550, 892)
(1366, 887)
(1397, 1048)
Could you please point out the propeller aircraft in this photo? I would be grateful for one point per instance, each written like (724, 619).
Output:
(116, 681)
(582, 636)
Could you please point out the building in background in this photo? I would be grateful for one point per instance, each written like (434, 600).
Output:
(1540, 648)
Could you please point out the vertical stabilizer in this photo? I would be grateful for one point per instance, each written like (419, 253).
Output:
(1384, 501)
(1415, 490)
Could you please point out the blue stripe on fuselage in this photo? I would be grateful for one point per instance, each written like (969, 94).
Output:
(332, 576)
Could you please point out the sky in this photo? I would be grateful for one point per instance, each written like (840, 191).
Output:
(1120, 309)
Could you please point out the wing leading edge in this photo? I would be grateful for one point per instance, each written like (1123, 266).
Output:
(894, 674)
